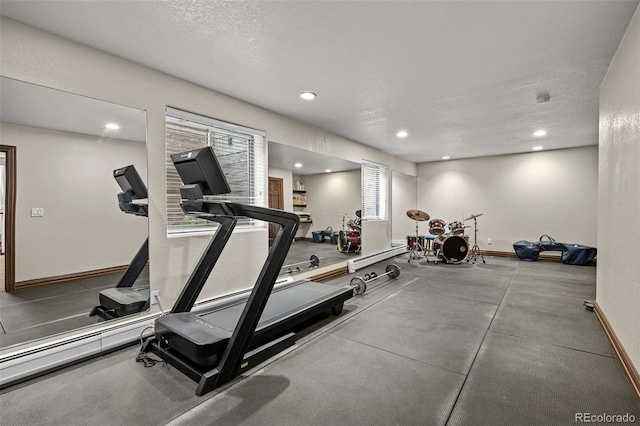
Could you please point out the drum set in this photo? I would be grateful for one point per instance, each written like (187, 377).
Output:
(450, 244)
(349, 235)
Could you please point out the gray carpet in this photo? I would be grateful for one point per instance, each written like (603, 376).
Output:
(518, 381)
(506, 342)
(38, 312)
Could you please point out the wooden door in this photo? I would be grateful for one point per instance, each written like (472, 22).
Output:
(9, 217)
(276, 201)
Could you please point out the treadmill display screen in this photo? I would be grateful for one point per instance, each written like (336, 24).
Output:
(201, 167)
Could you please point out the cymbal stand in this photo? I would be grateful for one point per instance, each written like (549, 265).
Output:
(475, 250)
(417, 250)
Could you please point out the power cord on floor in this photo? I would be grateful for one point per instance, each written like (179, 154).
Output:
(145, 358)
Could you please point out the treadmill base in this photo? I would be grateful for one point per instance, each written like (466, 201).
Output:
(207, 379)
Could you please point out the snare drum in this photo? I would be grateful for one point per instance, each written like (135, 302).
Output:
(452, 248)
(437, 227)
(349, 241)
(456, 227)
(412, 240)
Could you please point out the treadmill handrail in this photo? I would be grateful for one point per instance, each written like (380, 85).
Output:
(200, 274)
(231, 359)
(245, 328)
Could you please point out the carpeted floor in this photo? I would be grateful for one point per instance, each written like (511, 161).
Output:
(506, 342)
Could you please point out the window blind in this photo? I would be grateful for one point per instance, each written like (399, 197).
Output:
(374, 190)
(240, 152)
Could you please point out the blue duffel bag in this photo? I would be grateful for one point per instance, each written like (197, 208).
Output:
(526, 250)
(549, 244)
(575, 254)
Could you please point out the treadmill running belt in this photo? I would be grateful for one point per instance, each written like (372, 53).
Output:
(282, 303)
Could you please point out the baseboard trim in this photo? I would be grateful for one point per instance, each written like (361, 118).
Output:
(623, 356)
(72, 277)
(555, 258)
(334, 273)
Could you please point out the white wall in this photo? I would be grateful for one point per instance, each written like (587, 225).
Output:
(79, 69)
(618, 285)
(521, 196)
(403, 198)
(71, 177)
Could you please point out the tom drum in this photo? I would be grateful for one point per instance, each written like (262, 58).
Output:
(412, 240)
(437, 227)
(349, 241)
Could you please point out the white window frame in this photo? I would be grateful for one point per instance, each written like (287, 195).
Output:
(255, 183)
(375, 191)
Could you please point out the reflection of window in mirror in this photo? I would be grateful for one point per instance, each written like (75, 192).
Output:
(375, 191)
(240, 152)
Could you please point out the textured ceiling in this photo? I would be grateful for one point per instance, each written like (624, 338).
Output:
(460, 77)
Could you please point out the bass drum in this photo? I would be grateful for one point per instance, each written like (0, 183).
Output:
(452, 248)
(349, 242)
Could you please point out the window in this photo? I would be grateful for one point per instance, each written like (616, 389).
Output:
(240, 152)
(375, 189)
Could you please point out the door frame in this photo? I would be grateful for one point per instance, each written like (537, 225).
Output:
(10, 218)
(280, 183)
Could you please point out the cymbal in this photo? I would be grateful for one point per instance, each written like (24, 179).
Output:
(473, 216)
(418, 215)
(359, 213)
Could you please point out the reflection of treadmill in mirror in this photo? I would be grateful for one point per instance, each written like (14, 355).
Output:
(125, 298)
(214, 345)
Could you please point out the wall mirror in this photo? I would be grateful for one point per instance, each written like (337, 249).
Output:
(326, 192)
(404, 194)
(71, 240)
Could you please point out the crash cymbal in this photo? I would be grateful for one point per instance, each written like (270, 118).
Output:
(359, 213)
(418, 215)
(473, 216)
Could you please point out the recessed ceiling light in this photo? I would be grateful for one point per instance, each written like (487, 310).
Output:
(539, 133)
(328, 171)
(298, 165)
(307, 96)
(402, 134)
(112, 126)
(446, 157)
(536, 148)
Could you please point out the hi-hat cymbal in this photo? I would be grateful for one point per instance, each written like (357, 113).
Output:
(473, 216)
(418, 215)
(359, 213)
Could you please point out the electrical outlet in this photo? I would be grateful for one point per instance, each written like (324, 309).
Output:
(37, 212)
(155, 295)
(489, 241)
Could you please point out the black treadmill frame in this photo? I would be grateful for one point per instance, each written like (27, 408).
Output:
(236, 357)
(139, 262)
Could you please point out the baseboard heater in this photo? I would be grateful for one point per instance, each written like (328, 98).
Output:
(364, 261)
(42, 357)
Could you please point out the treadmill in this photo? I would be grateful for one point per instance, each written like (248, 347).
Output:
(215, 345)
(125, 299)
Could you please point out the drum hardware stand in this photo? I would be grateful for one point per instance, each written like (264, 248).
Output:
(417, 251)
(475, 250)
